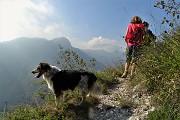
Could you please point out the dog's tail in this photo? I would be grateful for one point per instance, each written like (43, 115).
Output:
(91, 80)
(92, 84)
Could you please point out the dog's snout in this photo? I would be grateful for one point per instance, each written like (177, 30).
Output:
(33, 72)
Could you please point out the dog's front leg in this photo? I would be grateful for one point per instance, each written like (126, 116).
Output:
(57, 97)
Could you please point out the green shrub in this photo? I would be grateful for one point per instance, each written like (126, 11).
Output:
(67, 109)
(69, 59)
(30, 113)
(164, 113)
(159, 71)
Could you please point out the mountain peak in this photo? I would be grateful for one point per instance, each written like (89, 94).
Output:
(64, 42)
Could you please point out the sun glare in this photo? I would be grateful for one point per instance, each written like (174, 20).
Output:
(17, 17)
(11, 15)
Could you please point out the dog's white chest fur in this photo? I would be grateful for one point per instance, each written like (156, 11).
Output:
(48, 75)
(49, 83)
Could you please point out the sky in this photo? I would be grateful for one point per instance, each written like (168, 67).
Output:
(90, 24)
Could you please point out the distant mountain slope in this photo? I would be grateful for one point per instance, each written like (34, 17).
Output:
(20, 56)
(106, 57)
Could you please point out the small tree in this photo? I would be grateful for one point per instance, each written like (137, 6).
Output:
(172, 9)
(69, 59)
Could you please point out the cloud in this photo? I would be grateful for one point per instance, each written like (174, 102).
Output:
(28, 19)
(97, 43)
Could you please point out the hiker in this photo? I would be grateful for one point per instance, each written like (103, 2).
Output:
(134, 38)
(149, 37)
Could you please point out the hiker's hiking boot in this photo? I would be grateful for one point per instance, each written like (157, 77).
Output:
(124, 75)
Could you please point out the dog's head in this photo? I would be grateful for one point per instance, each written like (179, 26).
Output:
(41, 68)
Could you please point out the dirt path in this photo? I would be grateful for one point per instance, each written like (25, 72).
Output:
(122, 103)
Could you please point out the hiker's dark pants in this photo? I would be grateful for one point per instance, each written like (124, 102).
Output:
(132, 53)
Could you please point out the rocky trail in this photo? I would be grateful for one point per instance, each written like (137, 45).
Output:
(122, 103)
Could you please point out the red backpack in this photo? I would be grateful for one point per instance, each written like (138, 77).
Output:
(135, 34)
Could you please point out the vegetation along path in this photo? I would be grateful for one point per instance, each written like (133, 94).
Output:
(122, 102)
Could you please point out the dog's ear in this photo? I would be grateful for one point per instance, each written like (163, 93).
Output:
(44, 66)
(44, 61)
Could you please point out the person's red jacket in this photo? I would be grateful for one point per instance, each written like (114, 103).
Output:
(134, 34)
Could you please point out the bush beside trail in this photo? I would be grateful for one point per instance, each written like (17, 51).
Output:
(159, 71)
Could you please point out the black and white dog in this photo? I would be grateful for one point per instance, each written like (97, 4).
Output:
(61, 80)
